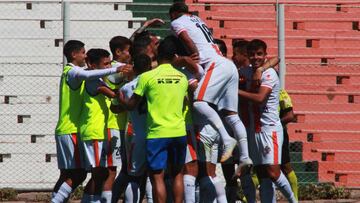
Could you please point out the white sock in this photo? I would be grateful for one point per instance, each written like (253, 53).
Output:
(85, 198)
(284, 186)
(220, 190)
(210, 114)
(106, 197)
(119, 186)
(240, 134)
(207, 190)
(149, 192)
(248, 188)
(267, 191)
(189, 188)
(132, 193)
(62, 194)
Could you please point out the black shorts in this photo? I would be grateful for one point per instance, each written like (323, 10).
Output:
(285, 152)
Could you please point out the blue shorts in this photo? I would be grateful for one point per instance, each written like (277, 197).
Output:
(160, 151)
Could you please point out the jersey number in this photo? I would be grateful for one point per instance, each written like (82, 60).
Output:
(205, 30)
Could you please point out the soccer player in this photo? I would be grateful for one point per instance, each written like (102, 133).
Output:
(268, 130)
(137, 154)
(93, 127)
(69, 153)
(165, 89)
(116, 125)
(219, 83)
(287, 116)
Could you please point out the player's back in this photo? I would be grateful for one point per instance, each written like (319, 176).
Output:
(165, 89)
(199, 34)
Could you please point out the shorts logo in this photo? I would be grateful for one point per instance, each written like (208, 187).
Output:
(267, 150)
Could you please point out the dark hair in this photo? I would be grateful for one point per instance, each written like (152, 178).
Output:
(94, 56)
(118, 42)
(180, 48)
(256, 44)
(179, 7)
(142, 63)
(241, 44)
(166, 49)
(71, 46)
(140, 44)
(222, 46)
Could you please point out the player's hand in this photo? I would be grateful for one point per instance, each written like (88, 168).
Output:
(193, 84)
(154, 22)
(126, 70)
(121, 98)
(195, 57)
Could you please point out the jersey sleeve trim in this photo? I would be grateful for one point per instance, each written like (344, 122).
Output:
(268, 86)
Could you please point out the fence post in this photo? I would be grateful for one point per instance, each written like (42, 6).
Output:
(66, 23)
(281, 42)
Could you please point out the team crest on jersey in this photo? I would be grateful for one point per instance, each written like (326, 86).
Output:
(267, 150)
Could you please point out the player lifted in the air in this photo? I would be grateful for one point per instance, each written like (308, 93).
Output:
(219, 84)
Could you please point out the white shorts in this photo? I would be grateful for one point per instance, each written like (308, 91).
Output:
(268, 145)
(69, 151)
(112, 147)
(94, 154)
(219, 85)
(209, 144)
(136, 159)
(191, 148)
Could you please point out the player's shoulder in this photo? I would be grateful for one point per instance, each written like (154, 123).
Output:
(270, 73)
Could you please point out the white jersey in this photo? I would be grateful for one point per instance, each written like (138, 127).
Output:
(138, 116)
(199, 34)
(269, 113)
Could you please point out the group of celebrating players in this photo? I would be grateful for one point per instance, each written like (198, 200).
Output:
(167, 112)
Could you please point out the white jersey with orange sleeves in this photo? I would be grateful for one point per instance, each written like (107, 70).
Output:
(269, 113)
(199, 34)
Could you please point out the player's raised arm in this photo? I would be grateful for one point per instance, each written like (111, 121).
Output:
(155, 22)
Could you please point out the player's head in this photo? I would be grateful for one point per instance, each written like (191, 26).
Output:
(74, 52)
(98, 59)
(142, 63)
(222, 46)
(178, 9)
(166, 51)
(257, 52)
(142, 45)
(180, 48)
(120, 47)
(240, 56)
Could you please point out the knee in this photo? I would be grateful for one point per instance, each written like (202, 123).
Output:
(274, 174)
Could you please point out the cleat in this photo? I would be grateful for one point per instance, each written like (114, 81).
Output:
(244, 165)
(228, 149)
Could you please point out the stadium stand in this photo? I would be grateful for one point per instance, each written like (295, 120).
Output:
(30, 66)
(322, 76)
(326, 98)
